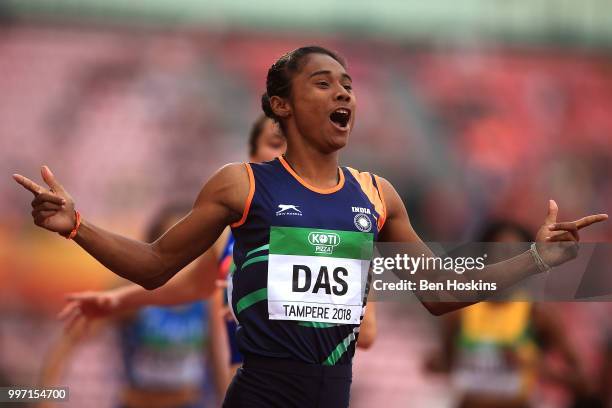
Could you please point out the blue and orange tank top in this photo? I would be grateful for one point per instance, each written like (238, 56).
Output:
(302, 257)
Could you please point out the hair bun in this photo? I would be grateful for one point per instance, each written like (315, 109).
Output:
(266, 106)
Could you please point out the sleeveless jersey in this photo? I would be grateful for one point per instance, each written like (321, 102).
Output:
(302, 257)
(496, 349)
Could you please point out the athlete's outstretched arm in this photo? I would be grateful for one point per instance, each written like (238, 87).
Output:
(220, 203)
(194, 282)
(397, 228)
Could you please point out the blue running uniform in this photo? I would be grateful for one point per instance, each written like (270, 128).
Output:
(300, 285)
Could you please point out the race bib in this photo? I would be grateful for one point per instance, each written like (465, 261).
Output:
(488, 369)
(155, 368)
(317, 275)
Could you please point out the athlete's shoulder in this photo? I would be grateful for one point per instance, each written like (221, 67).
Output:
(371, 185)
(269, 174)
(230, 176)
(368, 181)
(366, 176)
(270, 165)
(228, 187)
(233, 171)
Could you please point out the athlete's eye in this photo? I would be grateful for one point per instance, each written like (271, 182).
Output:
(323, 84)
(348, 87)
(276, 145)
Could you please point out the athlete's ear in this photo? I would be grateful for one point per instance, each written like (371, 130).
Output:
(280, 106)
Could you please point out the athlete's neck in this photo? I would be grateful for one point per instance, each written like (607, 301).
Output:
(318, 169)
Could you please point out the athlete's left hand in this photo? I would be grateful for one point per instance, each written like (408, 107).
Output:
(564, 235)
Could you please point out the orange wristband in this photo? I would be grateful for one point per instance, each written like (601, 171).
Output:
(76, 225)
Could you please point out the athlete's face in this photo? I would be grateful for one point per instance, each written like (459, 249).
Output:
(270, 144)
(322, 103)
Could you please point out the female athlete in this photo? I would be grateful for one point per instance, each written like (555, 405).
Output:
(300, 224)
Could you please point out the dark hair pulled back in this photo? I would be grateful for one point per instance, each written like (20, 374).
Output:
(278, 81)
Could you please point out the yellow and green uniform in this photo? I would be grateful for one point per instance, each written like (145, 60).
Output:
(496, 350)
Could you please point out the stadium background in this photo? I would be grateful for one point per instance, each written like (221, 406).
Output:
(472, 109)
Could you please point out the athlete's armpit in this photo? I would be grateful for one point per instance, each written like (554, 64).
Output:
(397, 227)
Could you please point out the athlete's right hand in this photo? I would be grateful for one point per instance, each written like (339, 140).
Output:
(53, 207)
(89, 306)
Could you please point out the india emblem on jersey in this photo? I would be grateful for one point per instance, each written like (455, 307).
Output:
(363, 223)
(317, 275)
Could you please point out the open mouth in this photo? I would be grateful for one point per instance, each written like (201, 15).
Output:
(340, 117)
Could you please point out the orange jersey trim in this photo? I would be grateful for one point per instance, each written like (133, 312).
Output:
(383, 216)
(309, 186)
(247, 205)
(373, 193)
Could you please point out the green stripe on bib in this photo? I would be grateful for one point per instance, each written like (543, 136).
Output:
(317, 275)
(321, 242)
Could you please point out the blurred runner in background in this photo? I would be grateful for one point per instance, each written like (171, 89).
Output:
(494, 350)
(162, 348)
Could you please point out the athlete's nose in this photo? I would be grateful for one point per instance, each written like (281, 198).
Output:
(342, 94)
